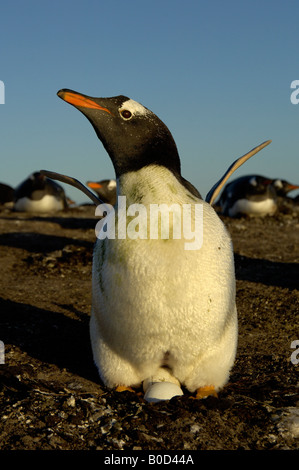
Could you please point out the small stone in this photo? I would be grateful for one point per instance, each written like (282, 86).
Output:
(71, 401)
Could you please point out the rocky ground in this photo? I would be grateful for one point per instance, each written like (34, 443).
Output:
(51, 397)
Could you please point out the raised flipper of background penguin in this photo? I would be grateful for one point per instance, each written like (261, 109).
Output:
(210, 197)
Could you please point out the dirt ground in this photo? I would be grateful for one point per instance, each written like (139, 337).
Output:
(51, 397)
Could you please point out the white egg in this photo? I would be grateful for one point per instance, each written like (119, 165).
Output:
(158, 391)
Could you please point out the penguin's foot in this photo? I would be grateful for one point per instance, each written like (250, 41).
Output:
(204, 392)
(123, 388)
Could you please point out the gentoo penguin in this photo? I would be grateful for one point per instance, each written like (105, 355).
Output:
(283, 187)
(160, 312)
(105, 189)
(285, 203)
(6, 195)
(251, 195)
(39, 194)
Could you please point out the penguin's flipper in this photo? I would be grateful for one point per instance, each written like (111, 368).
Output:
(73, 182)
(214, 191)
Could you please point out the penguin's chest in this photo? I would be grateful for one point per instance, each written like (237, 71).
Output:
(152, 286)
(45, 203)
(253, 207)
(143, 275)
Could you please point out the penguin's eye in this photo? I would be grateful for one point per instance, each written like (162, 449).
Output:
(126, 114)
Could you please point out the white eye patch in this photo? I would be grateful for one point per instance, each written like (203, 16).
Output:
(111, 185)
(278, 184)
(134, 108)
(252, 181)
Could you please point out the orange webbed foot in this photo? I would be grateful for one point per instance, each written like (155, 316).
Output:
(204, 392)
(123, 388)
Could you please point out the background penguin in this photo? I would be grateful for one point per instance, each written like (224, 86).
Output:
(160, 313)
(251, 195)
(285, 203)
(283, 187)
(6, 195)
(105, 189)
(39, 194)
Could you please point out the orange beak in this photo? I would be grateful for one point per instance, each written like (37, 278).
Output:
(79, 100)
(93, 185)
(291, 187)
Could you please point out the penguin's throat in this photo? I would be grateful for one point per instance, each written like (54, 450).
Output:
(153, 184)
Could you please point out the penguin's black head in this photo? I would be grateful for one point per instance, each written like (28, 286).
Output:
(105, 189)
(283, 187)
(37, 185)
(133, 135)
(258, 184)
(37, 180)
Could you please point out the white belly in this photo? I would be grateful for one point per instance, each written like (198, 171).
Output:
(258, 208)
(154, 299)
(48, 203)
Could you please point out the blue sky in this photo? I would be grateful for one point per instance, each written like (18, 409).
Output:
(218, 73)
